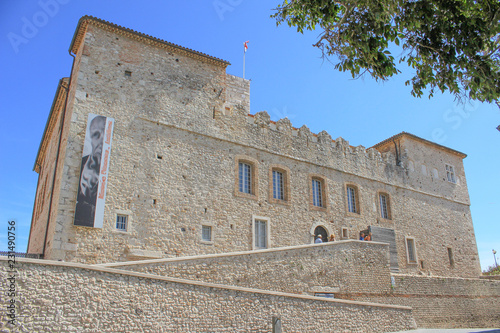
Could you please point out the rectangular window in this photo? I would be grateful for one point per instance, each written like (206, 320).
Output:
(317, 193)
(351, 199)
(245, 178)
(121, 222)
(278, 190)
(450, 173)
(384, 212)
(410, 248)
(206, 233)
(260, 234)
(345, 233)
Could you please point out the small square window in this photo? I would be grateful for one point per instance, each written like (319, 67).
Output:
(206, 233)
(345, 233)
(121, 222)
(450, 173)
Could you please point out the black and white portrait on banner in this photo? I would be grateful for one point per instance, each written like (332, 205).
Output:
(92, 185)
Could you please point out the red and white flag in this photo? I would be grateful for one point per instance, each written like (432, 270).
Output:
(245, 46)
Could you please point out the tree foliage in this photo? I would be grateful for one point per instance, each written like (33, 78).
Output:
(452, 44)
(492, 270)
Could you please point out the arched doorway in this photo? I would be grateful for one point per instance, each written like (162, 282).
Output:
(319, 230)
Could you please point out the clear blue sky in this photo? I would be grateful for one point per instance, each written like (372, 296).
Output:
(289, 78)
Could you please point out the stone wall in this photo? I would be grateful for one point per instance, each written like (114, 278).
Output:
(44, 165)
(54, 296)
(237, 93)
(441, 302)
(335, 267)
(351, 270)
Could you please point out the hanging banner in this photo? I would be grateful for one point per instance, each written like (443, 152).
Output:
(89, 210)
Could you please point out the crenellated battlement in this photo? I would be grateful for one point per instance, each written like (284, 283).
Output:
(282, 138)
(322, 144)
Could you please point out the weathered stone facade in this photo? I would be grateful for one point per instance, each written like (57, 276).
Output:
(182, 125)
(203, 184)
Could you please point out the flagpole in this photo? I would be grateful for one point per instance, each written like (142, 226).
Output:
(245, 47)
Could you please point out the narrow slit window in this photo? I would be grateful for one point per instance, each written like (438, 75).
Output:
(410, 248)
(351, 200)
(260, 234)
(384, 206)
(450, 256)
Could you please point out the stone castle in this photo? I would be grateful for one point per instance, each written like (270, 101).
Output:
(203, 198)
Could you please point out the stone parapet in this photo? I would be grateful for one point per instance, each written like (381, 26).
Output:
(55, 296)
(343, 266)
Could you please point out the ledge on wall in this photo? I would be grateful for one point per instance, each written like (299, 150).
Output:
(136, 254)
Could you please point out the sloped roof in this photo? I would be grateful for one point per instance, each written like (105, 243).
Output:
(57, 106)
(84, 22)
(417, 138)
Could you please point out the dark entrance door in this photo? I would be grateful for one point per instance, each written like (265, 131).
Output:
(321, 231)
